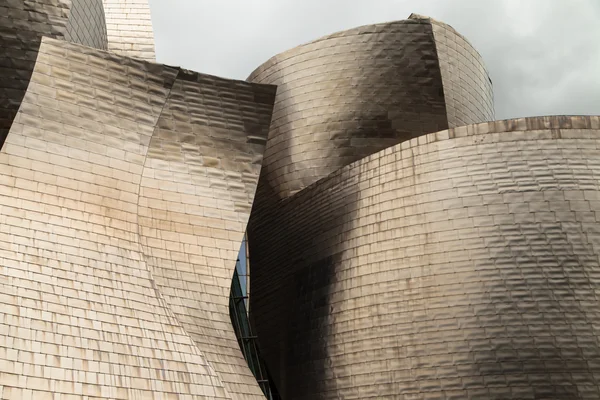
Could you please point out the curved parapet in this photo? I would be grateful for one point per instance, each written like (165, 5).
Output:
(462, 264)
(353, 93)
(81, 313)
(129, 28)
(87, 24)
(197, 189)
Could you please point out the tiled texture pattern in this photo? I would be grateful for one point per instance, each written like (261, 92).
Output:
(81, 316)
(459, 265)
(468, 89)
(129, 28)
(22, 24)
(348, 95)
(196, 193)
(86, 24)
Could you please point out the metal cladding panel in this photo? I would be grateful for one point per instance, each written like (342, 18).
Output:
(348, 95)
(22, 24)
(197, 189)
(87, 24)
(463, 264)
(129, 28)
(467, 85)
(81, 315)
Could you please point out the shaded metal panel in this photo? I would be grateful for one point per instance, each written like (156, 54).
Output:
(348, 95)
(462, 264)
(87, 24)
(22, 24)
(80, 312)
(467, 86)
(198, 185)
(129, 28)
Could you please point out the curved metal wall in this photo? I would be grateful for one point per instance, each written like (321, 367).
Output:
(86, 24)
(468, 88)
(353, 93)
(94, 258)
(129, 28)
(348, 95)
(196, 192)
(22, 24)
(462, 264)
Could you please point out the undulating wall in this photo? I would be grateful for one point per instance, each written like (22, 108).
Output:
(348, 95)
(88, 296)
(196, 192)
(22, 24)
(86, 24)
(129, 28)
(461, 264)
(355, 92)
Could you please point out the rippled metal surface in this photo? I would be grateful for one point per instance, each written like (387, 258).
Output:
(462, 264)
(468, 91)
(196, 192)
(102, 241)
(352, 93)
(22, 24)
(86, 24)
(129, 26)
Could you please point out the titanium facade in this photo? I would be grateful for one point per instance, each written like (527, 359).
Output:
(462, 264)
(467, 85)
(196, 193)
(23, 23)
(387, 261)
(348, 95)
(353, 93)
(112, 264)
(86, 24)
(129, 26)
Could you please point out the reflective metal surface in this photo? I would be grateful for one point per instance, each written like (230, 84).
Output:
(467, 86)
(129, 27)
(86, 24)
(115, 256)
(462, 264)
(196, 192)
(22, 24)
(352, 93)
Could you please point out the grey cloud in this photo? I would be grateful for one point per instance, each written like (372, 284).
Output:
(543, 55)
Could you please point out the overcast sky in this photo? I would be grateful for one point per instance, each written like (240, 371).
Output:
(543, 55)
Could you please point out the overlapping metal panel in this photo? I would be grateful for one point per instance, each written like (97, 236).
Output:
(22, 25)
(468, 88)
(353, 93)
(94, 258)
(462, 264)
(129, 28)
(196, 192)
(86, 24)
(348, 95)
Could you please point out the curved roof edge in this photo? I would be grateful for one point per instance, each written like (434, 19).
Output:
(552, 122)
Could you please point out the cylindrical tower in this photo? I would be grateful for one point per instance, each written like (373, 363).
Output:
(353, 93)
